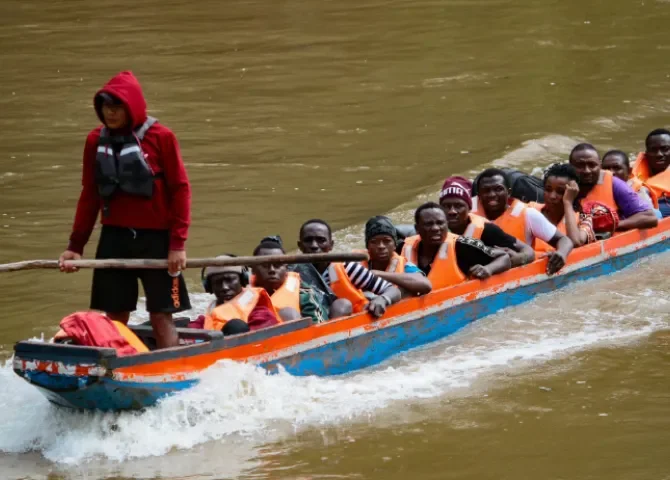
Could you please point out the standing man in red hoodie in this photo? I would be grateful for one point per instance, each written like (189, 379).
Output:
(134, 175)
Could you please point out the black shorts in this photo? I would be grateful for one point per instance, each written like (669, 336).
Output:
(116, 290)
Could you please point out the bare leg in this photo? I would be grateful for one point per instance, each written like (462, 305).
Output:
(164, 330)
(341, 308)
(122, 317)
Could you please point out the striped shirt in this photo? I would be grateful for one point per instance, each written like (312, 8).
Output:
(361, 278)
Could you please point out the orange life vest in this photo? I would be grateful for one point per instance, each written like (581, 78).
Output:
(342, 287)
(658, 185)
(541, 245)
(602, 192)
(476, 226)
(444, 270)
(239, 307)
(288, 295)
(396, 264)
(513, 221)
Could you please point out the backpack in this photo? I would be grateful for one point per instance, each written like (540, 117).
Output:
(524, 187)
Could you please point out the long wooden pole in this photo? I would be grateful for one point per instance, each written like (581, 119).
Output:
(190, 263)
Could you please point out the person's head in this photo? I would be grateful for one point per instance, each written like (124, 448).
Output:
(556, 178)
(225, 283)
(657, 150)
(381, 238)
(618, 163)
(270, 276)
(584, 157)
(493, 191)
(112, 110)
(456, 201)
(315, 237)
(431, 224)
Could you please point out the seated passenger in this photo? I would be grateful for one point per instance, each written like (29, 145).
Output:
(381, 239)
(560, 192)
(348, 281)
(618, 163)
(651, 167)
(596, 184)
(456, 201)
(517, 219)
(290, 298)
(237, 308)
(448, 259)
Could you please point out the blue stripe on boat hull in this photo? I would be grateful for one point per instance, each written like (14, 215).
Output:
(373, 348)
(336, 358)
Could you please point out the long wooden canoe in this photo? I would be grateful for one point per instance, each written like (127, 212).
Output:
(95, 378)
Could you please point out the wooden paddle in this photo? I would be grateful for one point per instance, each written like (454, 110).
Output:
(190, 263)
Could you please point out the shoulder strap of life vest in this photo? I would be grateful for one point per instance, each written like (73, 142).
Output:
(476, 226)
(343, 288)
(536, 205)
(513, 221)
(239, 307)
(603, 191)
(288, 295)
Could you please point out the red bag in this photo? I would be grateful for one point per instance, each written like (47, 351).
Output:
(605, 220)
(93, 329)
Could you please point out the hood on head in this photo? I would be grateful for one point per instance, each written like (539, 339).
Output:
(126, 88)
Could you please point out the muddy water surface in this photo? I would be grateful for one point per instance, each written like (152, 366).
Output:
(342, 110)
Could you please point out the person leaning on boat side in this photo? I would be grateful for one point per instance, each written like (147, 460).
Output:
(651, 167)
(517, 219)
(226, 284)
(349, 281)
(446, 258)
(560, 207)
(596, 184)
(134, 174)
(292, 298)
(381, 240)
(456, 201)
(618, 163)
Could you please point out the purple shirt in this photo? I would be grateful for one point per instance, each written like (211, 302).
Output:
(628, 202)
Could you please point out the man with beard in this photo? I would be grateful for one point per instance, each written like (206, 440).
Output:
(599, 185)
(651, 168)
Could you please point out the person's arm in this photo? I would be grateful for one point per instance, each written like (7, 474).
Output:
(634, 212)
(415, 283)
(500, 264)
(88, 205)
(578, 236)
(179, 197)
(378, 305)
(365, 280)
(520, 254)
(642, 220)
(557, 258)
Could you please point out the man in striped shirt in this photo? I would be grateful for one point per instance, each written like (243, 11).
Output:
(316, 237)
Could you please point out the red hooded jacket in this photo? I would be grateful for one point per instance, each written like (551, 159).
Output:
(170, 206)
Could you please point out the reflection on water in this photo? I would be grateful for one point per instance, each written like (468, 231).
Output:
(291, 110)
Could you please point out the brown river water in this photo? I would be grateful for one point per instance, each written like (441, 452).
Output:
(291, 109)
